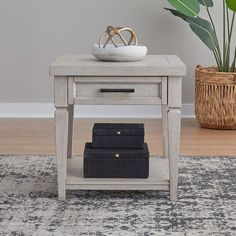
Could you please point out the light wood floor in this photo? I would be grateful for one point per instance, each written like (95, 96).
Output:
(36, 136)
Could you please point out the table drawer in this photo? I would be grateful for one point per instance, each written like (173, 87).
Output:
(118, 91)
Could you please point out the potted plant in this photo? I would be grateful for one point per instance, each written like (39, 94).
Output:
(215, 103)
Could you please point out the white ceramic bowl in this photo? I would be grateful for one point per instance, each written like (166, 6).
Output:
(119, 54)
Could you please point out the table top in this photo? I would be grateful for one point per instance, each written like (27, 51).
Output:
(87, 65)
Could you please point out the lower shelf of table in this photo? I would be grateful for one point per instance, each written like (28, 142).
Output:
(158, 177)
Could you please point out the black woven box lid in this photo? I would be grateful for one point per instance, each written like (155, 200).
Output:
(97, 153)
(114, 129)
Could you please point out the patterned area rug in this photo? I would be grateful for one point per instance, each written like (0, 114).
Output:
(29, 205)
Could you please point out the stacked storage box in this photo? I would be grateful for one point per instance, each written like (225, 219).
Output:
(117, 151)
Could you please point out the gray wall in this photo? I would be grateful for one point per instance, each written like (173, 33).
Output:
(33, 33)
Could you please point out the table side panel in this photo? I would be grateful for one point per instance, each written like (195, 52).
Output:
(60, 91)
(175, 92)
(164, 92)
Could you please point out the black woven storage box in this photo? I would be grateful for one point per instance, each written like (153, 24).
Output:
(108, 135)
(116, 163)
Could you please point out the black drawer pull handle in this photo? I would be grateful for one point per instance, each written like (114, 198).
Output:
(117, 90)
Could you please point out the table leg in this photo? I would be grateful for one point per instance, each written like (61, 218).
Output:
(61, 123)
(165, 130)
(174, 121)
(70, 130)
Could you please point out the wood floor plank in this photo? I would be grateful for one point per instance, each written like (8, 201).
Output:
(36, 137)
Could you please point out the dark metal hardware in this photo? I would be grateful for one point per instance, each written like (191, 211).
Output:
(117, 90)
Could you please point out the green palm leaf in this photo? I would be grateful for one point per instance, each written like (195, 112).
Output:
(177, 13)
(231, 4)
(186, 7)
(207, 3)
(204, 31)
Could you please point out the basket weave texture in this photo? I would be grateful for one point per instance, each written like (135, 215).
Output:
(215, 103)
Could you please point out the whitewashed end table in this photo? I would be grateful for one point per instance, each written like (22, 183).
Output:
(80, 79)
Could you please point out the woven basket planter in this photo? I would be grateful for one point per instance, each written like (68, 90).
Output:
(215, 103)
